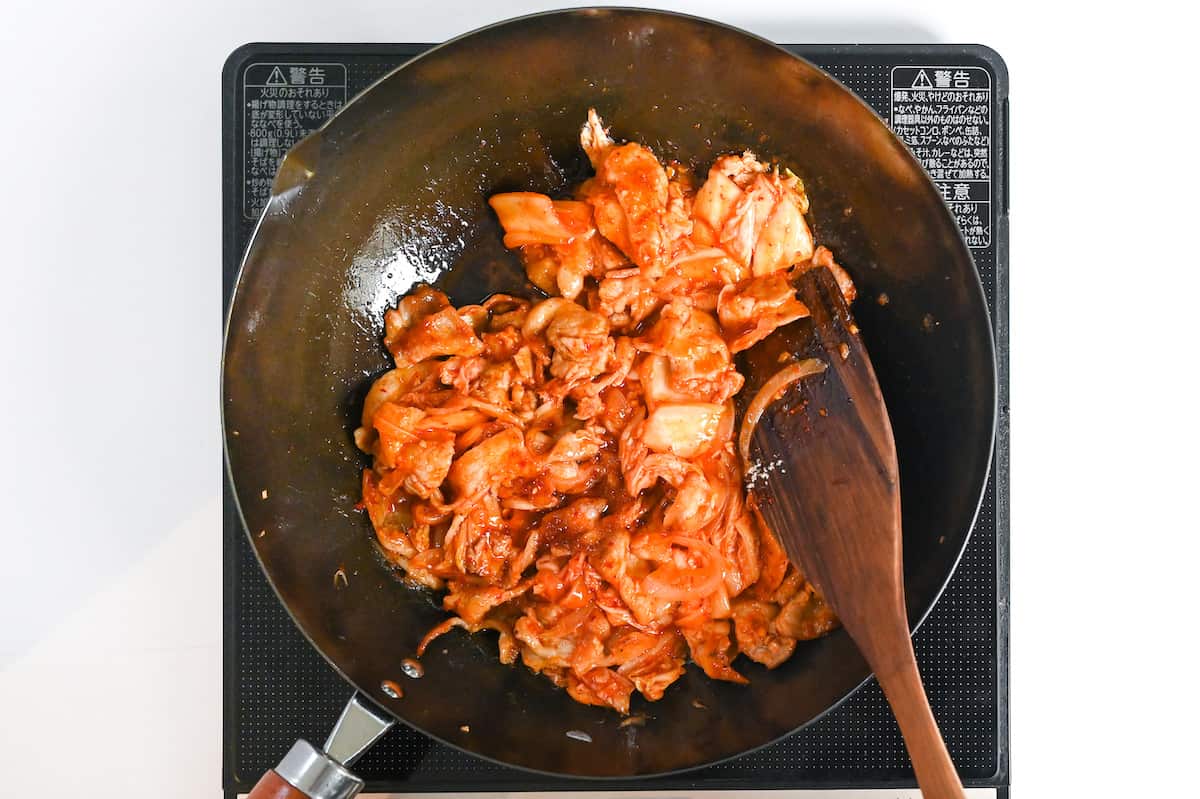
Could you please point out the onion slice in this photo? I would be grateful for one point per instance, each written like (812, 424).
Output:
(769, 392)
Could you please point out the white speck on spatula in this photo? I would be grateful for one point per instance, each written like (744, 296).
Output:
(758, 472)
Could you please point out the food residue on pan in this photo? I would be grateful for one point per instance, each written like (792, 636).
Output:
(392, 689)
(412, 668)
(579, 735)
(340, 580)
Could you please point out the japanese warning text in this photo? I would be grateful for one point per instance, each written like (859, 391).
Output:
(284, 103)
(944, 114)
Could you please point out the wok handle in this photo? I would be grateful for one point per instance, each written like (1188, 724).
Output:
(307, 773)
(272, 786)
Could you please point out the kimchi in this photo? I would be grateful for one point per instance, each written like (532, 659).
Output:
(565, 468)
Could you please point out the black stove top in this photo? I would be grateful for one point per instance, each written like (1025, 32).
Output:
(950, 104)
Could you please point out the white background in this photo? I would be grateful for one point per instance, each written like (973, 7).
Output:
(110, 262)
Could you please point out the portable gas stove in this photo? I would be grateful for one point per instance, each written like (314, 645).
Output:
(949, 103)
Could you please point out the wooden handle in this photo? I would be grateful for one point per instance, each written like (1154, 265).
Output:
(901, 683)
(272, 786)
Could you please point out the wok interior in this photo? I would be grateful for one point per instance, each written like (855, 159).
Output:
(394, 191)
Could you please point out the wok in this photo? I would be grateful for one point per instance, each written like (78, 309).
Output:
(393, 191)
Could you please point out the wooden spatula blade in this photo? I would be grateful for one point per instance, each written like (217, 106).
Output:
(826, 460)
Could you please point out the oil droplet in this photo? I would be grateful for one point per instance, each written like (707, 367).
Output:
(391, 689)
(634, 721)
(883, 298)
(696, 703)
(340, 580)
(579, 735)
(412, 668)
(264, 493)
(262, 533)
(465, 728)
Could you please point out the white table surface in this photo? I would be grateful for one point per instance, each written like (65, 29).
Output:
(110, 546)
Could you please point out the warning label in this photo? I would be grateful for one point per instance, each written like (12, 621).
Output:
(944, 114)
(284, 103)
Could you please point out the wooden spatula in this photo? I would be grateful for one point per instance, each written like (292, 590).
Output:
(823, 472)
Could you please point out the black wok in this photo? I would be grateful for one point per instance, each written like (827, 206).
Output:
(393, 191)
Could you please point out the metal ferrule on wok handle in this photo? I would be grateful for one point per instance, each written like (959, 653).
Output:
(307, 771)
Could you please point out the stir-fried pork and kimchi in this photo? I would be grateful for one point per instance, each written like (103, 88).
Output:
(565, 468)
